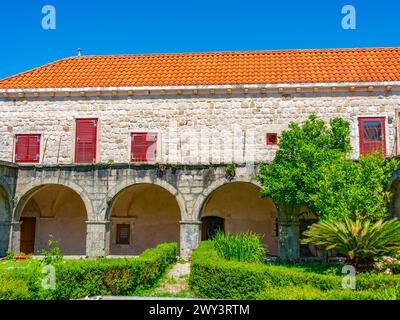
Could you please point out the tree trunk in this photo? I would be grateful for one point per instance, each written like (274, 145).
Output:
(289, 233)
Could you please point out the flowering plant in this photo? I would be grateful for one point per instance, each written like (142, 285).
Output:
(388, 264)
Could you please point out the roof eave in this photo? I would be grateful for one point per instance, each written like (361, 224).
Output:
(274, 86)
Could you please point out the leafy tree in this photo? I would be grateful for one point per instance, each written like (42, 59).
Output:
(357, 190)
(293, 175)
(311, 169)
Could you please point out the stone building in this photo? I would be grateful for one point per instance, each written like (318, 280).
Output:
(111, 155)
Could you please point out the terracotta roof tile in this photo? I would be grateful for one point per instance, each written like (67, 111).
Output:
(214, 68)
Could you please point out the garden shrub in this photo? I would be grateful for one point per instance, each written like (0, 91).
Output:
(245, 247)
(388, 264)
(215, 277)
(360, 240)
(14, 290)
(80, 278)
(211, 276)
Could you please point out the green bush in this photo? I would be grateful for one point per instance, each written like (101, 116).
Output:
(388, 264)
(80, 278)
(245, 247)
(14, 290)
(215, 277)
(25, 280)
(211, 276)
(361, 241)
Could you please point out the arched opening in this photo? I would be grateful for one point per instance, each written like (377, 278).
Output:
(54, 211)
(395, 204)
(5, 220)
(242, 209)
(142, 216)
(210, 226)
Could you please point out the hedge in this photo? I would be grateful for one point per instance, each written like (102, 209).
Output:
(214, 277)
(80, 278)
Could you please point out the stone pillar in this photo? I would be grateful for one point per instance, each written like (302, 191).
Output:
(97, 238)
(189, 237)
(15, 237)
(289, 233)
(5, 231)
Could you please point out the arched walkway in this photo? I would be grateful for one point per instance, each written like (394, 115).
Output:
(395, 204)
(242, 209)
(52, 211)
(142, 216)
(5, 221)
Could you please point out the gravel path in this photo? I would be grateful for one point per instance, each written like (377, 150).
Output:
(179, 270)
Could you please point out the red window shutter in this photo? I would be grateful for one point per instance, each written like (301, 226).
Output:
(151, 146)
(86, 140)
(138, 143)
(143, 146)
(272, 139)
(27, 148)
(372, 135)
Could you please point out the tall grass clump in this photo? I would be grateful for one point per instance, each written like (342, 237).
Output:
(244, 247)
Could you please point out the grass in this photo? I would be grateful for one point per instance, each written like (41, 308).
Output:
(244, 247)
(313, 267)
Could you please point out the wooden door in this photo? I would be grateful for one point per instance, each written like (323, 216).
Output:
(210, 226)
(372, 135)
(28, 227)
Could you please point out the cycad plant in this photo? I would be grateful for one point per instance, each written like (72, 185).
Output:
(360, 241)
(245, 247)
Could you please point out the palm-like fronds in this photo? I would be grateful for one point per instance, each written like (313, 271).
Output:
(360, 241)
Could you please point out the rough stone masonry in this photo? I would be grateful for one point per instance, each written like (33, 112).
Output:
(116, 205)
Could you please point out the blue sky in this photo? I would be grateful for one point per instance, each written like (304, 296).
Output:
(123, 26)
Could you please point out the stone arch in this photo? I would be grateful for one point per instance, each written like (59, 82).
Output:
(238, 204)
(202, 198)
(52, 209)
(5, 220)
(148, 211)
(116, 190)
(394, 204)
(26, 193)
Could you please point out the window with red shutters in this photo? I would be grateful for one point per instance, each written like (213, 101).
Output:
(27, 148)
(372, 135)
(86, 138)
(272, 139)
(143, 146)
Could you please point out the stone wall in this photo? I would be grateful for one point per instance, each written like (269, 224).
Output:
(199, 132)
(188, 125)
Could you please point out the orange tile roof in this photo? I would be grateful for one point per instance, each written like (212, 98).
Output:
(214, 68)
